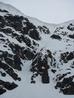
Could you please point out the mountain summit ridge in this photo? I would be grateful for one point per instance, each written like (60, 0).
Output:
(34, 52)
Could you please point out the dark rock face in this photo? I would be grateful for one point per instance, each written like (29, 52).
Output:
(66, 85)
(7, 31)
(28, 27)
(14, 21)
(7, 85)
(44, 29)
(26, 40)
(40, 66)
(71, 36)
(70, 27)
(17, 62)
(34, 34)
(28, 54)
(53, 70)
(2, 22)
(1, 10)
(4, 86)
(2, 74)
(56, 37)
(45, 77)
(67, 56)
(13, 61)
(2, 90)
(9, 70)
(58, 29)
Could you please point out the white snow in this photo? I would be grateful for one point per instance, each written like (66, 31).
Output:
(38, 90)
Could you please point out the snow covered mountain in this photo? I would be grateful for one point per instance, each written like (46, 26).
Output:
(36, 58)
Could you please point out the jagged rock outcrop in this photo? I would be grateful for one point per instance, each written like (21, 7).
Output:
(40, 65)
(37, 48)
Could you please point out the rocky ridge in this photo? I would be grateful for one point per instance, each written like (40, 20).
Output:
(48, 47)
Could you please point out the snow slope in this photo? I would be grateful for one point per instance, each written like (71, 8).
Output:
(36, 58)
